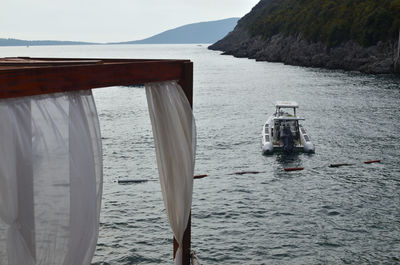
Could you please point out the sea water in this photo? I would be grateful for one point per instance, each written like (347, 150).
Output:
(321, 215)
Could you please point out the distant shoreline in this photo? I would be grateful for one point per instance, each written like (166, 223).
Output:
(105, 44)
(195, 33)
(17, 42)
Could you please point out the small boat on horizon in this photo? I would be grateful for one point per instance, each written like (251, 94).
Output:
(282, 131)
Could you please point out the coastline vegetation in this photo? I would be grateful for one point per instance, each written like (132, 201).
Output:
(330, 21)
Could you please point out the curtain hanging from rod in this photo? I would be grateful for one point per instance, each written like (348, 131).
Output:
(174, 132)
(51, 172)
(51, 179)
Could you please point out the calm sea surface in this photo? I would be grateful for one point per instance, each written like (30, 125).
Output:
(321, 215)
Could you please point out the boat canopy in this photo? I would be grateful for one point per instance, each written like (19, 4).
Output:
(289, 119)
(286, 104)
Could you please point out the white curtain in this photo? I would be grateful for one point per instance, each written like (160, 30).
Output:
(50, 179)
(174, 134)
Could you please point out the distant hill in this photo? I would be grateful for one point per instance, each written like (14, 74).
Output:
(203, 32)
(351, 35)
(16, 42)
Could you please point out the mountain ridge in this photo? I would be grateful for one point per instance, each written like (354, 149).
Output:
(200, 32)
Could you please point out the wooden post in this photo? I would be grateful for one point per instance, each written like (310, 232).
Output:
(186, 242)
(186, 83)
(396, 60)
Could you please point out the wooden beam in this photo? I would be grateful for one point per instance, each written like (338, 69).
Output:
(186, 81)
(38, 79)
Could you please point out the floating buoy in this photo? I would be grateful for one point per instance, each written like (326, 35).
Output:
(294, 168)
(246, 172)
(200, 176)
(340, 165)
(372, 161)
(126, 181)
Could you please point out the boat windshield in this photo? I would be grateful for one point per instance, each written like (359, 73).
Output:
(283, 112)
(283, 106)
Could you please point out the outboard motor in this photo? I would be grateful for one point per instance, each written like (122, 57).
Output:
(287, 139)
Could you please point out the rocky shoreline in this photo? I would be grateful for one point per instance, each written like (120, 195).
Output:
(295, 50)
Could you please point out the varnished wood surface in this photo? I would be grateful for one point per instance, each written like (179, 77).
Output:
(34, 76)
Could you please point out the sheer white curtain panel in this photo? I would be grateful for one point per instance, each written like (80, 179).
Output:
(50, 179)
(174, 132)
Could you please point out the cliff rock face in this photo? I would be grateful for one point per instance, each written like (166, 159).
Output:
(292, 50)
(297, 50)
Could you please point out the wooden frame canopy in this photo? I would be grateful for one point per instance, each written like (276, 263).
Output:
(25, 76)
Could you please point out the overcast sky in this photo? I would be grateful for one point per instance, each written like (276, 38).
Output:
(109, 20)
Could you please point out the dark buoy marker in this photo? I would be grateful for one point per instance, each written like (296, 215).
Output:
(126, 181)
(294, 168)
(246, 172)
(340, 165)
(372, 161)
(200, 176)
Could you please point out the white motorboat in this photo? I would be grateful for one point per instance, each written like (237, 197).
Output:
(282, 131)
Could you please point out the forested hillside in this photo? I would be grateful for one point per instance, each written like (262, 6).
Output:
(330, 21)
(357, 35)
